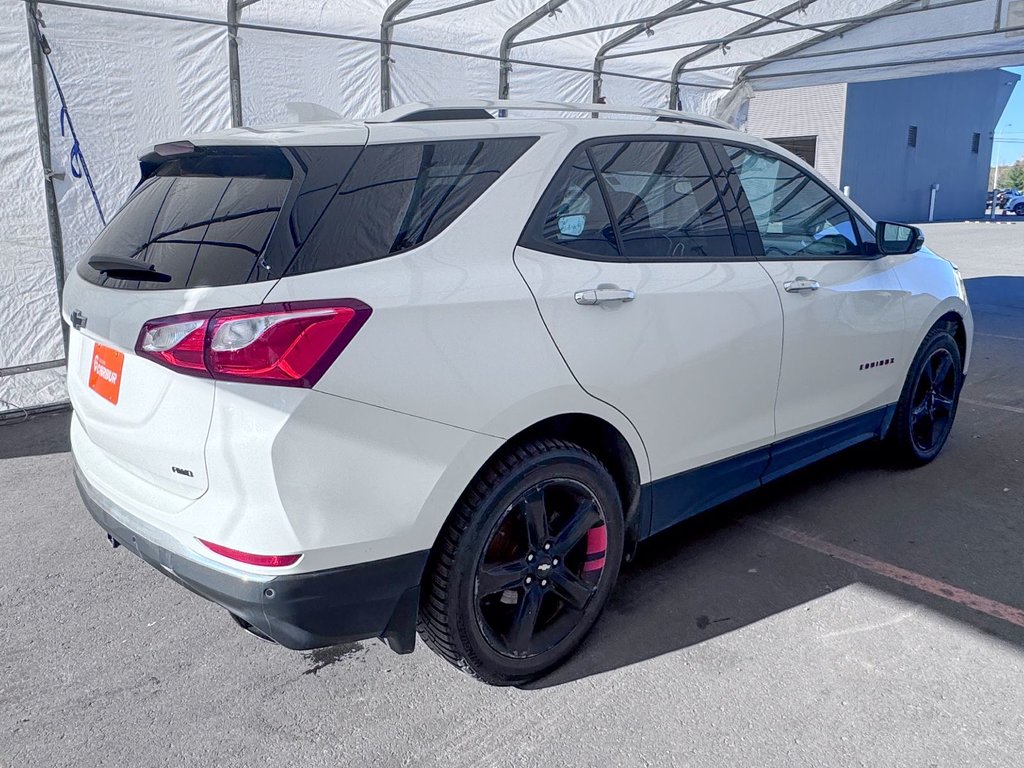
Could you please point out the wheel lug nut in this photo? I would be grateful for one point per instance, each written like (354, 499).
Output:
(543, 582)
(529, 579)
(547, 547)
(555, 561)
(529, 558)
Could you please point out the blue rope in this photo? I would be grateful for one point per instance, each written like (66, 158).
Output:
(79, 167)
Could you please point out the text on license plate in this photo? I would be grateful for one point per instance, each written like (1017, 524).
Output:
(105, 372)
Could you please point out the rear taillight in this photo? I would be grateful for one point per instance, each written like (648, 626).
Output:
(268, 561)
(289, 344)
(176, 344)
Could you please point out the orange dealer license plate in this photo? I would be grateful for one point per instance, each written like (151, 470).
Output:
(105, 372)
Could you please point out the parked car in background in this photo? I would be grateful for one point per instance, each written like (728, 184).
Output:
(442, 371)
(1014, 203)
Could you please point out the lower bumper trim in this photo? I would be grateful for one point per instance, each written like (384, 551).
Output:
(299, 611)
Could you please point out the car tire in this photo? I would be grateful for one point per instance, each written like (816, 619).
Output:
(927, 406)
(1019, 209)
(525, 564)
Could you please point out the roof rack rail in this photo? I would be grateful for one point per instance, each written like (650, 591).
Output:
(481, 109)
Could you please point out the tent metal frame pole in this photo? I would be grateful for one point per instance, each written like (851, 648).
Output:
(704, 6)
(858, 49)
(39, 92)
(440, 11)
(893, 7)
(883, 65)
(723, 5)
(386, 25)
(234, 14)
(508, 40)
(625, 37)
(298, 31)
(46, 365)
(851, 21)
(769, 18)
(773, 18)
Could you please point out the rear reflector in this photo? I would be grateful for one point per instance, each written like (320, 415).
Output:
(269, 561)
(289, 344)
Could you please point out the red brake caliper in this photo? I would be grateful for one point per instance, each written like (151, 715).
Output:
(597, 543)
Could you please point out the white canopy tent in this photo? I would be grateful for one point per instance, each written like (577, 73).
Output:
(133, 72)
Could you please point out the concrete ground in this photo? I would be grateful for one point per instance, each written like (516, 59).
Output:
(849, 615)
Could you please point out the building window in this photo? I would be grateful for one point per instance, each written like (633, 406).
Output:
(975, 143)
(804, 147)
(912, 136)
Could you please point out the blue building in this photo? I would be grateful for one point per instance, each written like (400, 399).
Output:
(890, 143)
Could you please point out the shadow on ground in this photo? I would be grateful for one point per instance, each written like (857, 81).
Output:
(36, 435)
(957, 520)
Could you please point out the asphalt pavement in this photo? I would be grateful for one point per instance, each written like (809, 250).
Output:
(848, 615)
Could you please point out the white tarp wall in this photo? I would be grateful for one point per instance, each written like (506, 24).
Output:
(29, 325)
(132, 81)
(127, 80)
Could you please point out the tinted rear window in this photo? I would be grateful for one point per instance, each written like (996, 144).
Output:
(399, 196)
(225, 216)
(201, 219)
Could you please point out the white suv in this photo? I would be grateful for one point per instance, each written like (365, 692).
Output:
(442, 371)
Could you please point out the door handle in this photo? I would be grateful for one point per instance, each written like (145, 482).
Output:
(801, 284)
(604, 296)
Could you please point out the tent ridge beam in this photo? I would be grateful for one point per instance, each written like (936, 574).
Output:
(739, 34)
(724, 4)
(438, 12)
(771, 17)
(351, 38)
(893, 7)
(885, 64)
(775, 59)
(849, 22)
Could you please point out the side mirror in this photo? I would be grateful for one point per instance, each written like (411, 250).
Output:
(898, 238)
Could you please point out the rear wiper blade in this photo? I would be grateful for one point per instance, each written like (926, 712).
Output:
(127, 269)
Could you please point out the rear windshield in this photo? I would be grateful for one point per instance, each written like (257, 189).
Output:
(226, 216)
(200, 219)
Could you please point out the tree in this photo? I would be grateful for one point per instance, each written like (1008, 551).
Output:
(1013, 178)
(1010, 176)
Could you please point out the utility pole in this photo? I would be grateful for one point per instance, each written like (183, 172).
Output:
(995, 178)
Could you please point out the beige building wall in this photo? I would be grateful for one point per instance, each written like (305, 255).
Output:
(818, 110)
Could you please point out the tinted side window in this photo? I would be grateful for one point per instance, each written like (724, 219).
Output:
(323, 170)
(398, 196)
(664, 200)
(795, 215)
(572, 219)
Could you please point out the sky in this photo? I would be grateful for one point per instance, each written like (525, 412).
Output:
(1011, 126)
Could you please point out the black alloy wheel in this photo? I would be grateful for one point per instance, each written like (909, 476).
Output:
(934, 401)
(927, 406)
(540, 568)
(525, 563)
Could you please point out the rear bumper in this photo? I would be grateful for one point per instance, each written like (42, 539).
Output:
(299, 611)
